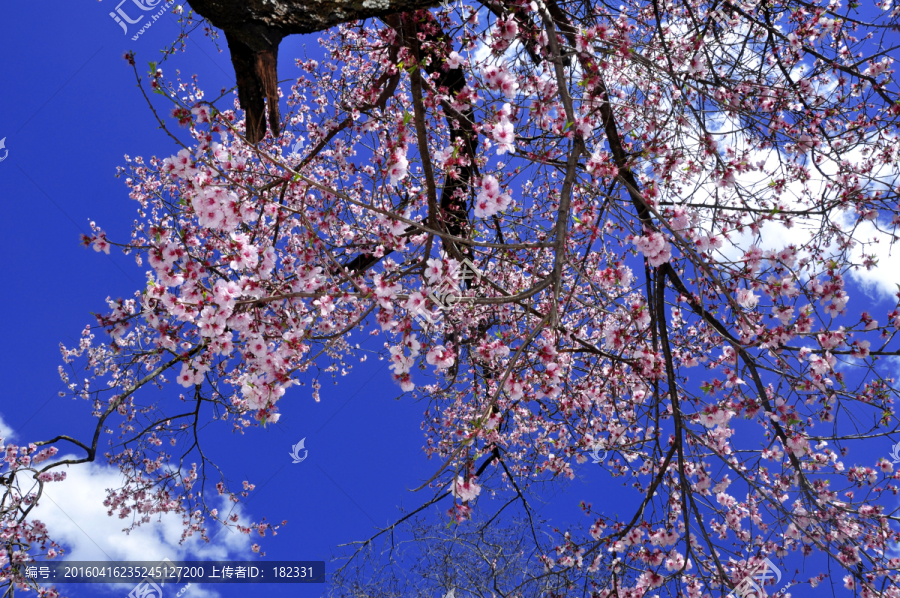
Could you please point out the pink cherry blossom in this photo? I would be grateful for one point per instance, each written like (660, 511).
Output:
(683, 242)
(465, 490)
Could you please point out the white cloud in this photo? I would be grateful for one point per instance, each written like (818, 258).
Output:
(75, 517)
(6, 432)
(884, 277)
(880, 281)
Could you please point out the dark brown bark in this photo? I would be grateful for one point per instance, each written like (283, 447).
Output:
(255, 28)
(293, 16)
(453, 213)
(256, 70)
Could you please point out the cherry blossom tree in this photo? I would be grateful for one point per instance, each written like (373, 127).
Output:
(675, 210)
(432, 559)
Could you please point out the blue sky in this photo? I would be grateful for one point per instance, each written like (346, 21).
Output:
(69, 111)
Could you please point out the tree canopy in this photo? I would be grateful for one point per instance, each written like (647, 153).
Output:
(640, 233)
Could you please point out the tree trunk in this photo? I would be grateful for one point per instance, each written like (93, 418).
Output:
(255, 28)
